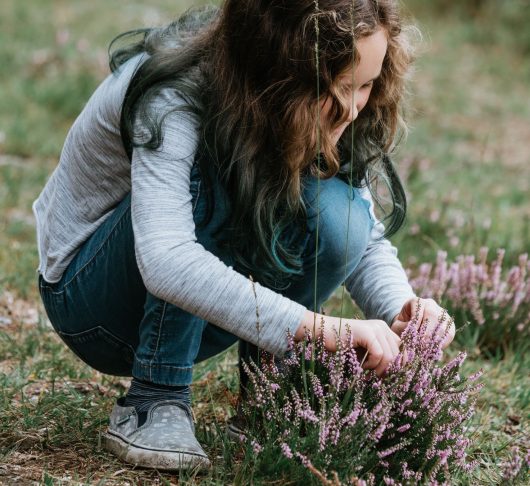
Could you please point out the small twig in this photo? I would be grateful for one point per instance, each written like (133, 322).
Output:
(325, 481)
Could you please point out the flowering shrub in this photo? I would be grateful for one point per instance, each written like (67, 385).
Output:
(323, 418)
(495, 303)
(517, 467)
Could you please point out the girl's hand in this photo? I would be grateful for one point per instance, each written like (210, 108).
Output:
(380, 342)
(429, 312)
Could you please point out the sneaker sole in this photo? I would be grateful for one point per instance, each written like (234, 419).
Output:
(153, 459)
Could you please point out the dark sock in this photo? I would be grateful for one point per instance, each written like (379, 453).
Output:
(143, 394)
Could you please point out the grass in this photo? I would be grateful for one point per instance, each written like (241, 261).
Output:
(467, 174)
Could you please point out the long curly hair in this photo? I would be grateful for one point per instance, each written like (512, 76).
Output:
(255, 72)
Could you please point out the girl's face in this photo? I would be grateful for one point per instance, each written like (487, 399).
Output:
(372, 50)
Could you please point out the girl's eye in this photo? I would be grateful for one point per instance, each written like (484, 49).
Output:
(368, 85)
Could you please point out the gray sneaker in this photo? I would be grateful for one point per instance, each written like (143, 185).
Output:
(166, 440)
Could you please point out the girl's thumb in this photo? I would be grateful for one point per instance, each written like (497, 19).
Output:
(399, 326)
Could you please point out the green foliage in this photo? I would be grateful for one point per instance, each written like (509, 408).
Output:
(493, 22)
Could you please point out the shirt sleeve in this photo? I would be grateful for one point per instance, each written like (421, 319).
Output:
(175, 267)
(379, 284)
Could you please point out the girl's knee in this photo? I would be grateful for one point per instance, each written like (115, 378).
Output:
(344, 224)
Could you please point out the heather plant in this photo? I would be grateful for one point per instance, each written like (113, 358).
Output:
(319, 416)
(517, 466)
(492, 304)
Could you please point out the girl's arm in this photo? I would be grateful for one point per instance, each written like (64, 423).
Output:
(379, 284)
(178, 269)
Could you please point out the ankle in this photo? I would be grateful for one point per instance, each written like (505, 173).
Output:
(142, 394)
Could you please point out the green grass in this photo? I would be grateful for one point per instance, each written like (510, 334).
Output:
(471, 130)
(467, 172)
(58, 51)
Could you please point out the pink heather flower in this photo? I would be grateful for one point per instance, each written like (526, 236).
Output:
(469, 467)
(303, 459)
(307, 354)
(286, 450)
(403, 428)
(308, 415)
(391, 450)
(287, 410)
(406, 472)
(407, 403)
(379, 432)
(256, 447)
(444, 455)
(455, 362)
(317, 386)
(475, 376)
(428, 397)
(512, 467)
(334, 404)
(481, 292)
(351, 419)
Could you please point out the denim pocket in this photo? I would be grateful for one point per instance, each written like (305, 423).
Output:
(101, 350)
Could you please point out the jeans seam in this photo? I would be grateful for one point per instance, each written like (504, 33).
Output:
(150, 366)
(100, 248)
(160, 324)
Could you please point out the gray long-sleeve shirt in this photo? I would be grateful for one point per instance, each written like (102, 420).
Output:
(94, 174)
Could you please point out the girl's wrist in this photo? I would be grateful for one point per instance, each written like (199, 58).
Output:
(310, 320)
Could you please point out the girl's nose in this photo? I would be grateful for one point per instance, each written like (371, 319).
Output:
(353, 112)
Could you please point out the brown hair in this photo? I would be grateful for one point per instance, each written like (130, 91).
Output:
(259, 70)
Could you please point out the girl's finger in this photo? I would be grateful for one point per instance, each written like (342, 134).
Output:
(398, 327)
(450, 335)
(395, 337)
(394, 346)
(387, 357)
(375, 355)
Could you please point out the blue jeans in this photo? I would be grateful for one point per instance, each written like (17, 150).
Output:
(103, 312)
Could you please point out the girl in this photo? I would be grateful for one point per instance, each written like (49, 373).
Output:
(214, 188)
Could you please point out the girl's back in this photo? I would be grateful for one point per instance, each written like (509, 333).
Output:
(93, 175)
